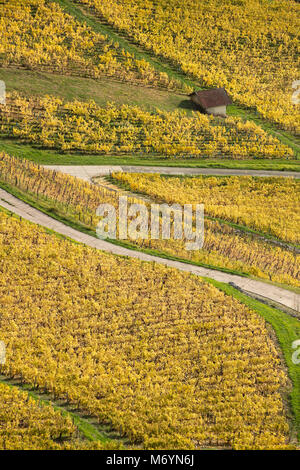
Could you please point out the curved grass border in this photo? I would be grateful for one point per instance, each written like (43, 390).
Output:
(287, 330)
(88, 430)
(47, 208)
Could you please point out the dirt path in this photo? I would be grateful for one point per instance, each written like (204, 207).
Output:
(259, 288)
(87, 172)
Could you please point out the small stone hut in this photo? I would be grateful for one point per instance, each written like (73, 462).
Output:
(213, 101)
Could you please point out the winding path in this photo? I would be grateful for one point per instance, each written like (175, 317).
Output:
(87, 172)
(258, 288)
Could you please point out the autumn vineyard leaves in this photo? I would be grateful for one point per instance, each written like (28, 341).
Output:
(74, 327)
(233, 200)
(38, 41)
(264, 204)
(224, 245)
(106, 352)
(240, 45)
(85, 127)
(23, 432)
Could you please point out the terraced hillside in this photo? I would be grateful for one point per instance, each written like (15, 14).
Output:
(139, 343)
(249, 47)
(76, 126)
(39, 35)
(234, 249)
(115, 336)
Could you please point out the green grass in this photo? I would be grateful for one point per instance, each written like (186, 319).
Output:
(242, 228)
(88, 427)
(57, 212)
(251, 115)
(104, 90)
(164, 255)
(174, 71)
(287, 330)
(159, 63)
(33, 83)
(52, 157)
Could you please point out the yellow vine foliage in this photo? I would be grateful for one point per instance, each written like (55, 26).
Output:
(39, 35)
(167, 359)
(267, 204)
(250, 47)
(246, 201)
(85, 127)
(224, 246)
(26, 424)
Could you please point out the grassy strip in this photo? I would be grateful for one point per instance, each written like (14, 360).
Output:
(287, 330)
(47, 208)
(160, 64)
(87, 427)
(33, 83)
(173, 71)
(164, 255)
(29, 82)
(251, 115)
(51, 157)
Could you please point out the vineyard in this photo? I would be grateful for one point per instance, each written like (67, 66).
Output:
(268, 205)
(83, 127)
(38, 35)
(32, 426)
(250, 47)
(216, 381)
(149, 344)
(224, 246)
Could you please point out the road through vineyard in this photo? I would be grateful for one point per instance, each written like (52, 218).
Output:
(274, 293)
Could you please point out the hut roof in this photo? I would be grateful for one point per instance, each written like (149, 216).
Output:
(211, 98)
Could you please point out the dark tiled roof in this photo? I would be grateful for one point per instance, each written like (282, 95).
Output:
(210, 98)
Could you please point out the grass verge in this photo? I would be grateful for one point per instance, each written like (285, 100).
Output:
(287, 330)
(104, 90)
(52, 157)
(88, 427)
(56, 212)
(241, 228)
